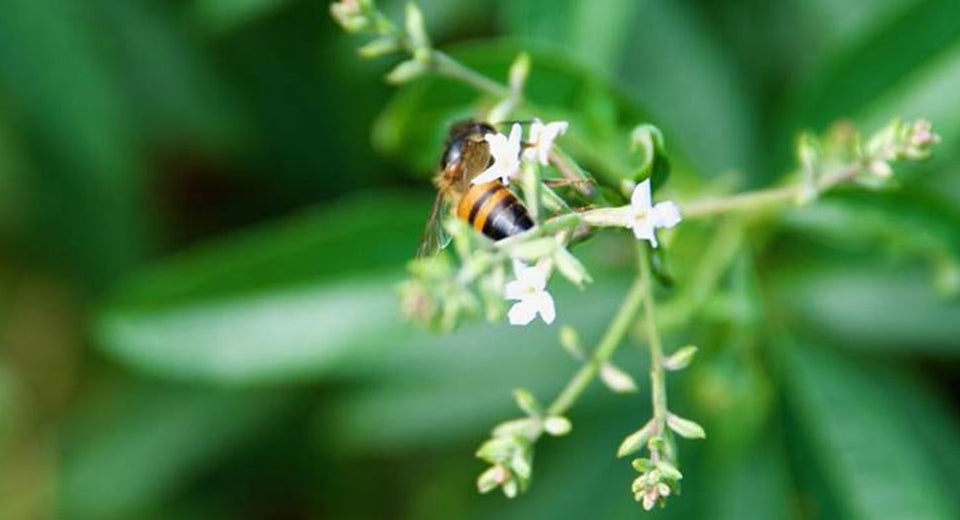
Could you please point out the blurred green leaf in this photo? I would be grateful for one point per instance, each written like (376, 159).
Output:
(129, 452)
(433, 389)
(891, 309)
(756, 484)
(910, 226)
(882, 62)
(867, 449)
(653, 48)
(840, 25)
(176, 96)
(593, 32)
(61, 92)
(694, 91)
(225, 15)
(281, 302)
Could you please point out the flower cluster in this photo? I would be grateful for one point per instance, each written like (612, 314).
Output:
(505, 151)
(655, 481)
(899, 141)
(510, 448)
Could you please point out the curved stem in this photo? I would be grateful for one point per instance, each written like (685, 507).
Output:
(607, 346)
(446, 66)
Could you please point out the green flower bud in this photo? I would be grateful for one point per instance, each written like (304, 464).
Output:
(680, 359)
(415, 27)
(406, 71)
(557, 426)
(685, 427)
(527, 402)
(636, 440)
(379, 47)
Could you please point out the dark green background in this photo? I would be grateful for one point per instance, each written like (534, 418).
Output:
(205, 207)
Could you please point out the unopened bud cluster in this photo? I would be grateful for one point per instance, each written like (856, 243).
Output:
(510, 448)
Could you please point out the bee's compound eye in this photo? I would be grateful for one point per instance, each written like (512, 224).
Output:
(453, 153)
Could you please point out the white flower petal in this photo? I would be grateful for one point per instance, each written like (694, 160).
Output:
(514, 290)
(505, 153)
(665, 214)
(548, 135)
(644, 231)
(640, 199)
(489, 175)
(545, 306)
(522, 312)
(516, 133)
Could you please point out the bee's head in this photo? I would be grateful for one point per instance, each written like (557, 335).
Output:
(460, 133)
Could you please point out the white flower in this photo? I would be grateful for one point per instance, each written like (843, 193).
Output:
(530, 288)
(643, 217)
(505, 152)
(541, 140)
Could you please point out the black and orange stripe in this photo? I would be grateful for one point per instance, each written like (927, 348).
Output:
(493, 210)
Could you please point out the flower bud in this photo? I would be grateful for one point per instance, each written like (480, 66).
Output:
(406, 71)
(570, 341)
(491, 478)
(526, 401)
(919, 139)
(379, 47)
(571, 268)
(669, 471)
(557, 426)
(636, 440)
(616, 379)
(519, 71)
(685, 427)
(415, 27)
(680, 359)
(350, 15)
(510, 488)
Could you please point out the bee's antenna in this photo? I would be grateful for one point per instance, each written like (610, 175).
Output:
(519, 122)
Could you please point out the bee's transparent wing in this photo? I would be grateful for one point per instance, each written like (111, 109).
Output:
(435, 238)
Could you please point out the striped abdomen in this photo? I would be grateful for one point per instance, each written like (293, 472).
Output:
(493, 210)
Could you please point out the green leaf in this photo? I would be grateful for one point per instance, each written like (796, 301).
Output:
(870, 307)
(288, 300)
(88, 201)
(866, 448)
(707, 115)
(225, 15)
(881, 62)
(133, 450)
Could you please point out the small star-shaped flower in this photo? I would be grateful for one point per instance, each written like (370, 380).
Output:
(541, 140)
(644, 218)
(530, 288)
(505, 152)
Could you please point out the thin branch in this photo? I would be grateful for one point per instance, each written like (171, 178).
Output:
(605, 349)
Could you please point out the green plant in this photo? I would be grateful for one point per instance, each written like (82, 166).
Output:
(570, 202)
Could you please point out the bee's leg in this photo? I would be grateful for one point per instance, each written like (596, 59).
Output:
(572, 174)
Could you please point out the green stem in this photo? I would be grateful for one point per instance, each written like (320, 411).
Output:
(448, 67)
(657, 384)
(608, 345)
(772, 198)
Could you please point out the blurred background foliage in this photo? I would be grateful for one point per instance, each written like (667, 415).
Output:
(205, 206)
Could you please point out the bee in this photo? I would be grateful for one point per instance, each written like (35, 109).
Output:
(490, 208)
